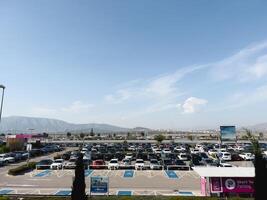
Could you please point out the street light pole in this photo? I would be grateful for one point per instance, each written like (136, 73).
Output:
(2, 101)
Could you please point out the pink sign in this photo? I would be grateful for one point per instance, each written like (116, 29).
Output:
(238, 185)
(203, 186)
(24, 136)
(216, 185)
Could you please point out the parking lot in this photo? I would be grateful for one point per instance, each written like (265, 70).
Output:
(145, 182)
(133, 169)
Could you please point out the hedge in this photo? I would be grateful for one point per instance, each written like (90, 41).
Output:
(22, 169)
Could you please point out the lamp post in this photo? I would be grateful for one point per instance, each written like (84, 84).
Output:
(2, 101)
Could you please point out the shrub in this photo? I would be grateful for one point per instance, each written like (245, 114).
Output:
(22, 169)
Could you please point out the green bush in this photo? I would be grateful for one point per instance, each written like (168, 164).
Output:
(22, 169)
(4, 198)
(4, 149)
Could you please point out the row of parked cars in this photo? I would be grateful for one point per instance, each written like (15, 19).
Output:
(17, 156)
(151, 156)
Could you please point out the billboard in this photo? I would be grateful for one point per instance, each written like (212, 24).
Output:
(99, 184)
(232, 185)
(228, 133)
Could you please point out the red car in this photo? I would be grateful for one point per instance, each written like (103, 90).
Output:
(98, 164)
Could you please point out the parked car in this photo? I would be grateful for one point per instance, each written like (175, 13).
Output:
(7, 158)
(224, 164)
(247, 156)
(154, 164)
(98, 164)
(139, 164)
(225, 156)
(70, 164)
(183, 156)
(166, 151)
(236, 157)
(113, 164)
(44, 164)
(57, 164)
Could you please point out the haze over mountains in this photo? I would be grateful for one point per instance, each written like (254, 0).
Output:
(21, 124)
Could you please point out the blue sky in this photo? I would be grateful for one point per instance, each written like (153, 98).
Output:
(159, 64)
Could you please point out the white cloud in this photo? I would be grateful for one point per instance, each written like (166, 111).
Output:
(248, 64)
(193, 104)
(160, 88)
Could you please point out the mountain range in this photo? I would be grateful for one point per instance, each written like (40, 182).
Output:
(21, 124)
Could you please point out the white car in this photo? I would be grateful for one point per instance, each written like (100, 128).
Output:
(113, 164)
(128, 156)
(195, 151)
(225, 156)
(157, 151)
(6, 158)
(139, 164)
(132, 148)
(57, 164)
(154, 164)
(247, 156)
(224, 164)
(183, 156)
(166, 151)
(179, 148)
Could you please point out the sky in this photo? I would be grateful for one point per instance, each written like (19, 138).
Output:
(154, 63)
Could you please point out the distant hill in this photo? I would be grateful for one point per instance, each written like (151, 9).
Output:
(259, 127)
(20, 124)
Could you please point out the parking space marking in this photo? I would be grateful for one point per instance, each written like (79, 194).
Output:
(63, 193)
(183, 193)
(171, 174)
(43, 173)
(5, 191)
(124, 193)
(88, 172)
(128, 174)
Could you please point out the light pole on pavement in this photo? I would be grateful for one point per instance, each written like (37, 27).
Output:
(2, 101)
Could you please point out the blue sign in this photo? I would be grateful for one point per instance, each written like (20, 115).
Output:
(99, 184)
(228, 133)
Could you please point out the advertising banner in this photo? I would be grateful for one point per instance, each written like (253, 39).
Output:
(228, 133)
(99, 184)
(238, 185)
(215, 184)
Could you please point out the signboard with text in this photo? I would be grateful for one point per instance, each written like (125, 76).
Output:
(232, 185)
(99, 184)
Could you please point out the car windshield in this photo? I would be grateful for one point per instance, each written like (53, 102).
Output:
(139, 161)
(113, 161)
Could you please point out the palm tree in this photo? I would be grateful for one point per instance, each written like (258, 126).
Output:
(78, 187)
(260, 167)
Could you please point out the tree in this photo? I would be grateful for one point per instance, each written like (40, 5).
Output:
(78, 186)
(159, 138)
(92, 134)
(190, 137)
(45, 135)
(260, 136)
(82, 135)
(114, 135)
(98, 135)
(260, 167)
(142, 134)
(68, 134)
